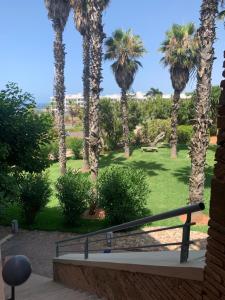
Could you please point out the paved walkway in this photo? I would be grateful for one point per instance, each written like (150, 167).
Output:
(39, 246)
(42, 288)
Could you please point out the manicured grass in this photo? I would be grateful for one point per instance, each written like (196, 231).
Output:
(168, 181)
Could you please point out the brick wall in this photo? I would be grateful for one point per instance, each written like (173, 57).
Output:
(214, 273)
(124, 285)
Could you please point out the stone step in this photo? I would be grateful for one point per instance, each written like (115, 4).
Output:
(40, 288)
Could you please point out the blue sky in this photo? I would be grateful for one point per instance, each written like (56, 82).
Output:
(26, 37)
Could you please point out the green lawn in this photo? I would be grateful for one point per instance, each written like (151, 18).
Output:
(168, 181)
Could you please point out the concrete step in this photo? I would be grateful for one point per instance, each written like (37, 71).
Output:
(41, 288)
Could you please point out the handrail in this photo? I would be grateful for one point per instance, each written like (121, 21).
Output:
(166, 215)
(188, 210)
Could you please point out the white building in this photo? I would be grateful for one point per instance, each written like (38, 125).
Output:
(79, 100)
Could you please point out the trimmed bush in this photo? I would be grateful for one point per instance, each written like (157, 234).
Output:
(34, 194)
(122, 193)
(73, 192)
(76, 146)
(184, 133)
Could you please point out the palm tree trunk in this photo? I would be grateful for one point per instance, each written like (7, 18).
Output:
(97, 36)
(59, 92)
(174, 121)
(124, 112)
(86, 92)
(200, 140)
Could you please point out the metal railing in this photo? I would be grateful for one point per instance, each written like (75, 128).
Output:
(62, 246)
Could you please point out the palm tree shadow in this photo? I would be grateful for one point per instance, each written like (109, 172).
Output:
(152, 168)
(183, 175)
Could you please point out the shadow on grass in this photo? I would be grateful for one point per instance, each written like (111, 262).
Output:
(183, 175)
(152, 168)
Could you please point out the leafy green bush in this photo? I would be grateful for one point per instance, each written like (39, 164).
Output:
(73, 192)
(184, 133)
(34, 194)
(152, 128)
(76, 146)
(122, 193)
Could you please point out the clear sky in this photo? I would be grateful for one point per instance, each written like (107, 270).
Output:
(26, 38)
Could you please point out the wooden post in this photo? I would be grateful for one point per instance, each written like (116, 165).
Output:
(214, 273)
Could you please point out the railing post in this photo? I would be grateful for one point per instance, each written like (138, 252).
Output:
(109, 236)
(57, 250)
(185, 240)
(86, 249)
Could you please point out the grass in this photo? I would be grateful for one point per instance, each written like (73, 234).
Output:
(168, 181)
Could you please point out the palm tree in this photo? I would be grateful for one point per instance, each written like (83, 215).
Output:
(58, 12)
(81, 20)
(180, 55)
(200, 140)
(95, 8)
(124, 48)
(153, 92)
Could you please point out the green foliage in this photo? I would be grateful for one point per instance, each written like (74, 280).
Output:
(76, 146)
(184, 133)
(73, 192)
(54, 150)
(34, 194)
(186, 112)
(151, 128)
(157, 108)
(25, 136)
(110, 123)
(23, 133)
(122, 193)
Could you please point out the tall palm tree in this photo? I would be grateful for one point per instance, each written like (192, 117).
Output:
(95, 8)
(124, 48)
(81, 20)
(200, 140)
(180, 55)
(58, 12)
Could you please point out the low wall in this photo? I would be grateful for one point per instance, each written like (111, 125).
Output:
(117, 283)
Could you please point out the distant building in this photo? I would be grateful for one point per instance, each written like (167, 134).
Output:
(79, 100)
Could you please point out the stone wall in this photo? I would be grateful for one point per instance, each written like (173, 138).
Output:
(214, 273)
(124, 285)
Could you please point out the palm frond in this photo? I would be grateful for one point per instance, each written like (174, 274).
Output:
(58, 12)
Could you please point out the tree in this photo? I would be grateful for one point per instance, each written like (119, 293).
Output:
(24, 139)
(153, 92)
(200, 140)
(58, 12)
(180, 55)
(124, 48)
(74, 110)
(96, 8)
(81, 19)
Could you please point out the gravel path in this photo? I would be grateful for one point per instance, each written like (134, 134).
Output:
(39, 246)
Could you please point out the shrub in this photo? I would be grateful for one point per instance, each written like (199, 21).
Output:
(76, 146)
(34, 194)
(122, 193)
(152, 128)
(54, 150)
(184, 133)
(73, 192)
